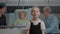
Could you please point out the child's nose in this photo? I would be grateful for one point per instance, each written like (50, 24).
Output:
(35, 12)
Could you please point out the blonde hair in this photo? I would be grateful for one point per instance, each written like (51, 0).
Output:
(35, 7)
(22, 11)
(47, 8)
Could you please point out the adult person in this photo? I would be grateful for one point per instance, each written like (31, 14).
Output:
(50, 20)
(2, 16)
(21, 20)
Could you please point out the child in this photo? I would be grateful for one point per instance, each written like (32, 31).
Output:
(21, 21)
(36, 26)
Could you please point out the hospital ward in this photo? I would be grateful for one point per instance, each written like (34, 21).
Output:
(29, 16)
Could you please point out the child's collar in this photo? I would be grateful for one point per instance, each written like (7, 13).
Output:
(36, 21)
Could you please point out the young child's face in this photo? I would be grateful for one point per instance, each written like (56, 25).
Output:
(22, 14)
(35, 12)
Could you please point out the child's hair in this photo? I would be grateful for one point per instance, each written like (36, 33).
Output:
(35, 7)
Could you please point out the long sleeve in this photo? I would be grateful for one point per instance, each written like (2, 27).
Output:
(5, 21)
(54, 23)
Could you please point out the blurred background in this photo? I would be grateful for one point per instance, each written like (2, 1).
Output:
(12, 6)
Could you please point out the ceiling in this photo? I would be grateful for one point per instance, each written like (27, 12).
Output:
(31, 2)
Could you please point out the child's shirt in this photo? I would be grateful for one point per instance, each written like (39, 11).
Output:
(35, 23)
